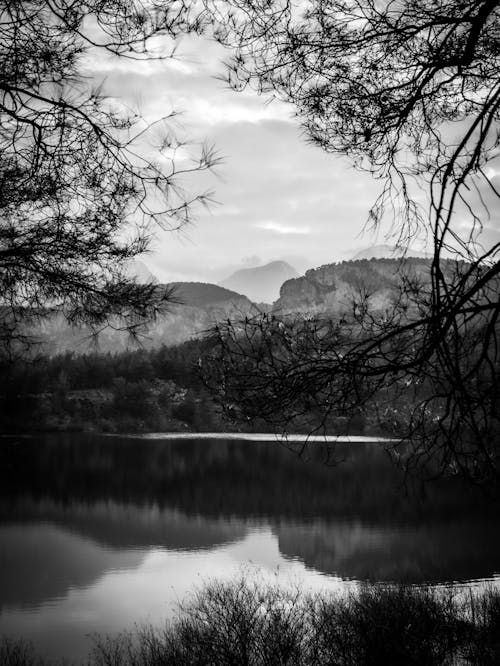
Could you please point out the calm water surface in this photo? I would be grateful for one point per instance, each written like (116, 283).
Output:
(98, 533)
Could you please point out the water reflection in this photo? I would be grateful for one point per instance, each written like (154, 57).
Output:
(97, 533)
(118, 525)
(438, 553)
(40, 562)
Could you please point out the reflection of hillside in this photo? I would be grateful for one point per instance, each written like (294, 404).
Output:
(227, 478)
(39, 562)
(450, 551)
(46, 548)
(116, 525)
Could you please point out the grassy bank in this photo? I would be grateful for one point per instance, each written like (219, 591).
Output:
(248, 624)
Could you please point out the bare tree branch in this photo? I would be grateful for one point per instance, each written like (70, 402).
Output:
(410, 92)
(79, 196)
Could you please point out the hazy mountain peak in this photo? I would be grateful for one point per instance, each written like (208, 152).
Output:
(260, 283)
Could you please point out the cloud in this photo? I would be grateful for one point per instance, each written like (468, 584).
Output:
(188, 83)
(280, 228)
(252, 261)
(224, 111)
(280, 195)
(271, 177)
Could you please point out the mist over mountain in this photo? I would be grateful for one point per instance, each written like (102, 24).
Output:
(198, 307)
(388, 252)
(262, 283)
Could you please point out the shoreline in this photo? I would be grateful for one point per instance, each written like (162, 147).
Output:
(258, 437)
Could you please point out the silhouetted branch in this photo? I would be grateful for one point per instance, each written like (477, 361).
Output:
(80, 190)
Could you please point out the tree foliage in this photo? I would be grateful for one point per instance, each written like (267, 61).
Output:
(79, 191)
(410, 91)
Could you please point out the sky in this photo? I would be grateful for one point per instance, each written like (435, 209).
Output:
(277, 197)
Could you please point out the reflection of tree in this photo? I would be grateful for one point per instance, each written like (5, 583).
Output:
(452, 550)
(125, 525)
(240, 479)
(410, 92)
(78, 193)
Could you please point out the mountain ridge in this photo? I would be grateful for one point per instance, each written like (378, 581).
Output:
(331, 288)
(260, 283)
(200, 294)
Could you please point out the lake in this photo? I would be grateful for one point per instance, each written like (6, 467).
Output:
(100, 532)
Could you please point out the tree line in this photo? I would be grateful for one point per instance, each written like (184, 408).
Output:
(135, 390)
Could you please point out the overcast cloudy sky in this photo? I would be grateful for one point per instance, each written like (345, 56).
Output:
(279, 197)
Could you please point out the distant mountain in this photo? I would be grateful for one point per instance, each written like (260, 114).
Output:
(262, 283)
(201, 294)
(332, 287)
(140, 271)
(388, 252)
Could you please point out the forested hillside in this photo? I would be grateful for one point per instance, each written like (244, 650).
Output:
(333, 287)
